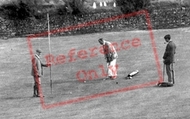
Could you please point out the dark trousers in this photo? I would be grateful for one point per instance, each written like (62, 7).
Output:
(36, 85)
(170, 72)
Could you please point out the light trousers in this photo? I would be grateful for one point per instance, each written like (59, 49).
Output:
(170, 72)
(112, 68)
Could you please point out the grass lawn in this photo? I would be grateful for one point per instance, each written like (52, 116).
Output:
(145, 103)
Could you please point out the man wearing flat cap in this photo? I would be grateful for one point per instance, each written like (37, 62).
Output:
(37, 72)
(169, 58)
(110, 56)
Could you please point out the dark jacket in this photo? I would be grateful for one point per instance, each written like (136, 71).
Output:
(169, 53)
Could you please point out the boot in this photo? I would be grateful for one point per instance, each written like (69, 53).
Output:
(37, 90)
(38, 93)
(34, 95)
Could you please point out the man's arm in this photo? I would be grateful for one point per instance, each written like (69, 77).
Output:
(113, 51)
(167, 51)
(44, 65)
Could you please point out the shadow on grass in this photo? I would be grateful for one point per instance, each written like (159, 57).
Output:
(17, 97)
(77, 81)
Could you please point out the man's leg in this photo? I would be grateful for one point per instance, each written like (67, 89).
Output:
(35, 93)
(172, 71)
(38, 86)
(108, 71)
(168, 71)
(35, 88)
(112, 70)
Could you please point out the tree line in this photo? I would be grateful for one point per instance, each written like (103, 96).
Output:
(23, 9)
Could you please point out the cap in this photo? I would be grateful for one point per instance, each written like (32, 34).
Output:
(39, 50)
(167, 36)
(101, 40)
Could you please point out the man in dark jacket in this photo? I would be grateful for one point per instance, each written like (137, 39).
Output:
(169, 58)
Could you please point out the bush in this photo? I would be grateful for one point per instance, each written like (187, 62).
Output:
(62, 10)
(186, 3)
(165, 5)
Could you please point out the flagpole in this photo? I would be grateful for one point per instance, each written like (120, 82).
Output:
(51, 86)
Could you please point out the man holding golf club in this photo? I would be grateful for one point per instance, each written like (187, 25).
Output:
(169, 58)
(110, 56)
(37, 72)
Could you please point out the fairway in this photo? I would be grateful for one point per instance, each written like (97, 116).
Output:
(145, 103)
(67, 76)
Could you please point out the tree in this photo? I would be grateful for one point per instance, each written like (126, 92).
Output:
(76, 6)
(20, 10)
(128, 6)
